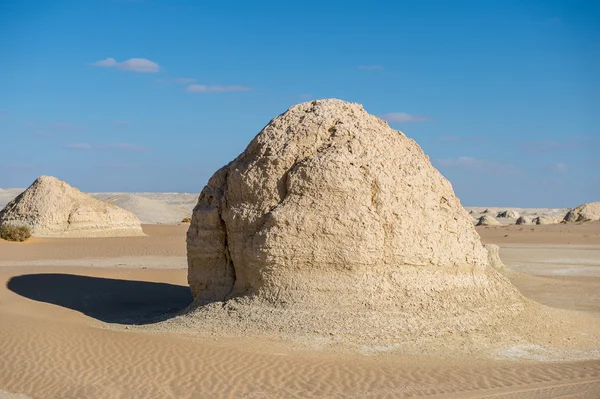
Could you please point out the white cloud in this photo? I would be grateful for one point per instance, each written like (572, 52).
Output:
(175, 81)
(370, 67)
(184, 80)
(109, 62)
(127, 146)
(79, 146)
(42, 133)
(111, 146)
(65, 126)
(403, 117)
(459, 139)
(548, 146)
(215, 88)
(559, 167)
(133, 64)
(477, 165)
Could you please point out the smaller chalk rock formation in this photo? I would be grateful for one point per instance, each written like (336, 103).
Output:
(487, 220)
(545, 220)
(52, 208)
(494, 256)
(523, 220)
(508, 214)
(584, 213)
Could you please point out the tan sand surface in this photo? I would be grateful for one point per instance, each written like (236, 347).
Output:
(58, 338)
(162, 241)
(581, 233)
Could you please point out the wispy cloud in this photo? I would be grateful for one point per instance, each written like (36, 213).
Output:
(79, 147)
(548, 146)
(305, 95)
(370, 67)
(65, 126)
(42, 133)
(175, 81)
(127, 146)
(184, 80)
(215, 88)
(471, 164)
(21, 166)
(110, 146)
(121, 123)
(133, 64)
(120, 165)
(459, 139)
(559, 167)
(403, 117)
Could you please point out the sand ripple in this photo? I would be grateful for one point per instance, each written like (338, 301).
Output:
(51, 359)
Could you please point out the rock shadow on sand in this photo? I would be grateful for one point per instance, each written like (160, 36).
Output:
(108, 300)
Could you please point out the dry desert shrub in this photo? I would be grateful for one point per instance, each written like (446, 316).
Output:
(186, 220)
(15, 232)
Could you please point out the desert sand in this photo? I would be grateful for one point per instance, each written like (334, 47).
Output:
(67, 315)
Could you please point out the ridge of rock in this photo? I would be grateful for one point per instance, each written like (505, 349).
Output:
(332, 219)
(584, 213)
(52, 208)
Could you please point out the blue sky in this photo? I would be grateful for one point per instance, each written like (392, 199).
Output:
(151, 95)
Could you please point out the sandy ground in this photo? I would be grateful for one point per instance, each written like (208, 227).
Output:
(66, 307)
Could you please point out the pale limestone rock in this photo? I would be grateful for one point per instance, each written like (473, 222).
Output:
(149, 211)
(487, 220)
(52, 208)
(332, 221)
(542, 219)
(494, 256)
(509, 214)
(523, 220)
(584, 213)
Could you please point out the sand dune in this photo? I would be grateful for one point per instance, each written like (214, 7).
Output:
(148, 210)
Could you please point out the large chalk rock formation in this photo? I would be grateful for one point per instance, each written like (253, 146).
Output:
(523, 220)
(509, 213)
(584, 213)
(545, 219)
(487, 220)
(332, 221)
(52, 208)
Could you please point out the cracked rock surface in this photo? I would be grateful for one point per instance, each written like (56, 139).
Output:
(330, 212)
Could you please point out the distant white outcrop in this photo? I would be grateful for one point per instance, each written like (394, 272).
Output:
(52, 208)
(149, 211)
(487, 220)
(542, 219)
(523, 220)
(509, 214)
(584, 213)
